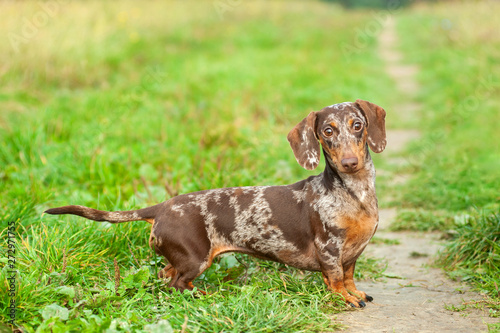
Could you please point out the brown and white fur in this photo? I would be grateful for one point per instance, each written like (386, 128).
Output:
(322, 223)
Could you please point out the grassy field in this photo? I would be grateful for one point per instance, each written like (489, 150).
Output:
(117, 105)
(456, 166)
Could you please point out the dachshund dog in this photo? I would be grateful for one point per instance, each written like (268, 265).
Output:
(322, 223)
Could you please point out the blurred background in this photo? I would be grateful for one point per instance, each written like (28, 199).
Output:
(377, 4)
(122, 104)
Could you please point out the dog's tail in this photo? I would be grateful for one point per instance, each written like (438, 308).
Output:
(146, 214)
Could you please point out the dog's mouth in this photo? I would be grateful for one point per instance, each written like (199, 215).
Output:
(347, 171)
(351, 172)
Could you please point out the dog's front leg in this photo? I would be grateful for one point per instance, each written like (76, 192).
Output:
(335, 283)
(333, 275)
(349, 283)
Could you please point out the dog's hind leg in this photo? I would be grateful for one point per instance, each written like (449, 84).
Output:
(186, 247)
(167, 272)
(182, 282)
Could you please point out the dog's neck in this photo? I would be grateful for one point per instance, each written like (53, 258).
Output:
(360, 184)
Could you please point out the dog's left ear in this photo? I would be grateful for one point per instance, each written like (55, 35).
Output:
(304, 142)
(375, 117)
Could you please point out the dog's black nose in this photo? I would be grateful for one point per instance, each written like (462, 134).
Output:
(350, 163)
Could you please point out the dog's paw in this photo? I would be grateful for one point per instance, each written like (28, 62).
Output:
(359, 304)
(361, 295)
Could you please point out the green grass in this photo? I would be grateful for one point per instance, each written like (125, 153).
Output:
(457, 162)
(119, 106)
(456, 166)
(474, 256)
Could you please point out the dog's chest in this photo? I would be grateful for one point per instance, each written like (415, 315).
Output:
(349, 218)
(359, 230)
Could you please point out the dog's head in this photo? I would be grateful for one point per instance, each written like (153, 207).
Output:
(343, 130)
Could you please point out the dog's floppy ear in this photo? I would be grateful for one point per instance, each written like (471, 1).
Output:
(375, 117)
(304, 142)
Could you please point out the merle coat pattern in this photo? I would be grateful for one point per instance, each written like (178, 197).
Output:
(322, 223)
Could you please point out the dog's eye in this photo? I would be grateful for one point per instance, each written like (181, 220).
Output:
(328, 131)
(357, 126)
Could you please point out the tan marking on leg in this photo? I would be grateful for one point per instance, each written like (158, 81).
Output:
(349, 284)
(152, 241)
(225, 248)
(338, 287)
(167, 272)
(191, 286)
(215, 251)
(151, 236)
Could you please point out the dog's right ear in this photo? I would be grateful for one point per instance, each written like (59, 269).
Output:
(304, 142)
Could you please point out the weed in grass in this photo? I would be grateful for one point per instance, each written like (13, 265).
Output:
(386, 241)
(454, 308)
(415, 254)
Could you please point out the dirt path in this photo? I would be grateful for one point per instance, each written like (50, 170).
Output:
(414, 298)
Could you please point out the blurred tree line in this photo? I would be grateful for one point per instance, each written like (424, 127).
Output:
(382, 4)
